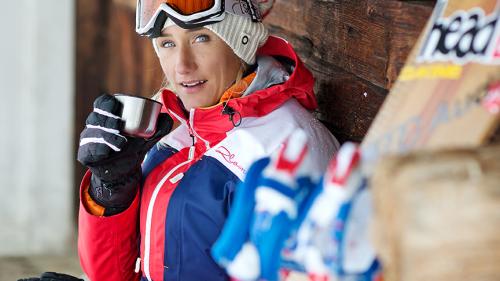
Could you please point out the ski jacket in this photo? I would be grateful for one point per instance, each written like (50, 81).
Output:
(190, 177)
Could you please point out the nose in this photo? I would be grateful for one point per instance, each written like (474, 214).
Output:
(185, 62)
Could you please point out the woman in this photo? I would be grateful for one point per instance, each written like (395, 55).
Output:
(235, 94)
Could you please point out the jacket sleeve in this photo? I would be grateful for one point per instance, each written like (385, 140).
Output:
(108, 246)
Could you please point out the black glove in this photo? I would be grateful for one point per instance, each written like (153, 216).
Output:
(114, 160)
(52, 276)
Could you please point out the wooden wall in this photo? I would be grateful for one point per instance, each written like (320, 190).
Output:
(355, 48)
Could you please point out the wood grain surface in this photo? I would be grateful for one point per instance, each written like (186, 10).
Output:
(353, 48)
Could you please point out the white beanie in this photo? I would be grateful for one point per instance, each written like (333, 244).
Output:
(240, 33)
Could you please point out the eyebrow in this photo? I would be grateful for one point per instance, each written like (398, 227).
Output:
(189, 31)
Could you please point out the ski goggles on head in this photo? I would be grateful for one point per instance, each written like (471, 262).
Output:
(152, 14)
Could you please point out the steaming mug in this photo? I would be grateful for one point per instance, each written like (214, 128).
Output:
(139, 115)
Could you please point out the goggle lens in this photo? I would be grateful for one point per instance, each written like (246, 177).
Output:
(148, 8)
(190, 7)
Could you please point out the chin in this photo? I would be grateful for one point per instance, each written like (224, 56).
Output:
(191, 106)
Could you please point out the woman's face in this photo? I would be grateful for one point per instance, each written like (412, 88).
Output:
(198, 65)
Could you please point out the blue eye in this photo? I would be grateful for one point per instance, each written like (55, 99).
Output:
(202, 38)
(167, 44)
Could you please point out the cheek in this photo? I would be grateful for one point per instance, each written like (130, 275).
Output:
(164, 67)
(231, 68)
(168, 71)
(231, 65)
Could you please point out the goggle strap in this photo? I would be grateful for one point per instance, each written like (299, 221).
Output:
(158, 25)
(190, 25)
(253, 11)
(203, 19)
(162, 17)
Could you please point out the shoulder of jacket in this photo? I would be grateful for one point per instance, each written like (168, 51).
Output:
(259, 137)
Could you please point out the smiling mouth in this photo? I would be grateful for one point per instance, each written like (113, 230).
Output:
(191, 84)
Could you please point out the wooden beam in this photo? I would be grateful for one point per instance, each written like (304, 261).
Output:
(352, 48)
(370, 39)
(91, 45)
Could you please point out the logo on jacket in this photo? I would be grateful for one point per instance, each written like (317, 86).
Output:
(229, 158)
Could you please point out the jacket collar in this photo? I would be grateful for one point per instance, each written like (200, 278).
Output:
(212, 124)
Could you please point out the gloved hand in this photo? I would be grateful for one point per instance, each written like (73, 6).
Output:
(114, 160)
(52, 276)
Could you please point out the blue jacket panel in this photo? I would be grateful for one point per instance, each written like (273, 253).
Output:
(202, 198)
(199, 204)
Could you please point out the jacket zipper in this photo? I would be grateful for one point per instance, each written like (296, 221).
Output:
(193, 131)
(137, 265)
(149, 214)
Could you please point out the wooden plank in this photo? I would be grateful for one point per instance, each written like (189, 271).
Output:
(347, 104)
(91, 45)
(370, 39)
(352, 48)
(128, 3)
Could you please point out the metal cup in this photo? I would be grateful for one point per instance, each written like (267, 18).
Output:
(139, 115)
